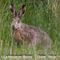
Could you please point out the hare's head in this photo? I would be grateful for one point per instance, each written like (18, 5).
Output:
(17, 15)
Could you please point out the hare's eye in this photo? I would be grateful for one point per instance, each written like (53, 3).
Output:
(13, 27)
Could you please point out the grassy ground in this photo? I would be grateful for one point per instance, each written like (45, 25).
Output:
(39, 13)
(29, 58)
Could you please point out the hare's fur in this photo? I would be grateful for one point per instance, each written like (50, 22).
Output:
(30, 34)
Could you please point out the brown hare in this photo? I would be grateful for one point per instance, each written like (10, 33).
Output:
(22, 32)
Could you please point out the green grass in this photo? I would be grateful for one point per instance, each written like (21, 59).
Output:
(40, 13)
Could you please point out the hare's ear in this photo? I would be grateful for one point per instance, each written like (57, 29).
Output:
(21, 11)
(13, 10)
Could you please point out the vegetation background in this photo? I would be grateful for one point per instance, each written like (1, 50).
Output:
(39, 13)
